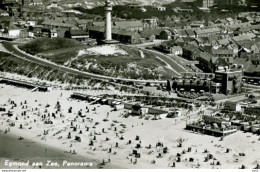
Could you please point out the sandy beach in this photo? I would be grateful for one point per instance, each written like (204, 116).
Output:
(105, 135)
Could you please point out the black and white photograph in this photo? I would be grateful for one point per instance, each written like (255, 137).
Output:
(129, 84)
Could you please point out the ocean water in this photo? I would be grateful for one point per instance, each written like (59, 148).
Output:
(15, 150)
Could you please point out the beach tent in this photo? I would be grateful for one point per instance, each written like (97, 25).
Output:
(104, 101)
(215, 125)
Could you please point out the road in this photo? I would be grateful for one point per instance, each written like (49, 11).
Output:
(177, 67)
(15, 51)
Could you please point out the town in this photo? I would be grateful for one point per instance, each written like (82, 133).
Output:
(138, 84)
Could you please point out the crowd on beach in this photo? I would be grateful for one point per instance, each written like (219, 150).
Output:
(99, 132)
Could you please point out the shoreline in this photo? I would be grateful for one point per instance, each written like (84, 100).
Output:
(18, 151)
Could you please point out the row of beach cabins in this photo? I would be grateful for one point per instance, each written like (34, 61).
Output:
(134, 109)
(220, 127)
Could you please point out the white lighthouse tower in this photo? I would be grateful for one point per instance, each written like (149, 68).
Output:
(108, 29)
(108, 9)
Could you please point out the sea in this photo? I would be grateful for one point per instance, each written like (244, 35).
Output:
(14, 150)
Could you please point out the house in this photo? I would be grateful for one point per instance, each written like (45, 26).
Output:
(190, 33)
(206, 32)
(151, 23)
(207, 62)
(230, 20)
(252, 70)
(176, 50)
(149, 34)
(244, 37)
(232, 106)
(96, 32)
(79, 35)
(248, 19)
(82, 23)
(161, 8)
(197, 24)
(221, 22)
(13, 31)
(132, 26)
(225, 53)
(3, 13)
(24, 33)
(224, 42)
(189, 51)
(53, 33)
(183, 34)
(50, 24)
(126, 37)
(35, 31)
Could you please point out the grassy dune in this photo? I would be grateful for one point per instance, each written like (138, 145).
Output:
(58, 50)
(9, 63)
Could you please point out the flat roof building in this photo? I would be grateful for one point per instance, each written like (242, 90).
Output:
(231, 80)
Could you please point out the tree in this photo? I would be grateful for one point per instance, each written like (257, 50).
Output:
(168, 87)
(191, 81)
(183, 82)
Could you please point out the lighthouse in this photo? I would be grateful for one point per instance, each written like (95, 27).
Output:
(108, 27)
(108, 9)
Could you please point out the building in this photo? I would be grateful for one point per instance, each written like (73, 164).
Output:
(149, 35)
(79, 35)
(231, 80)
(108, 31)
(3, 13)
(232, 106)
(165, 35)
(96, 32)
(207, 3)
(176, 50)
(189, 52)
(225, 53)
(126, 37)
(150, 23)
(25, 2)
(139, 110)
(37, 2)
(207, 32)
(182, 10)
(207, 62)
(161, 8)
(53, 33)
(51, 24)
(122, 36)
(212, 126)
(133, 25)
